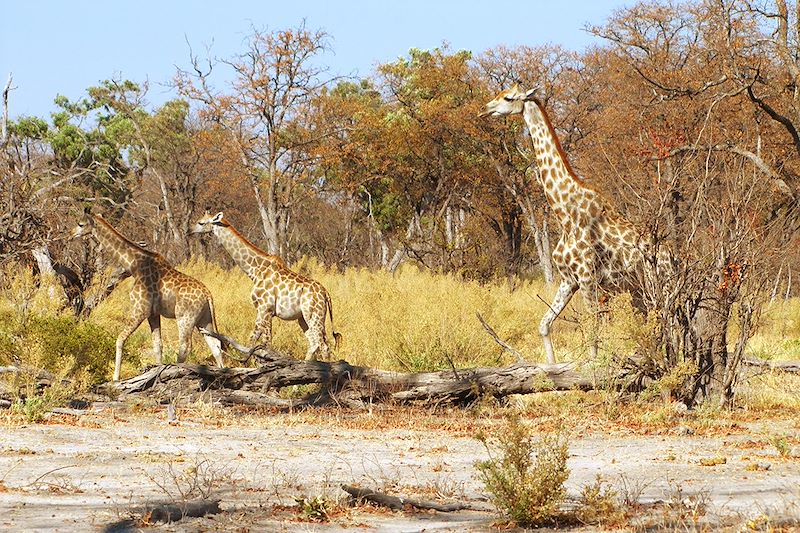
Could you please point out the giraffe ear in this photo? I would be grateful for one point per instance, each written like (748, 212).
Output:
(217, 218)
(530, 95)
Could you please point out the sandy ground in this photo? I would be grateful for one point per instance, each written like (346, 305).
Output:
(68, 476)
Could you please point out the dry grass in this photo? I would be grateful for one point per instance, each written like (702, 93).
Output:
(417, 320)
(778, 334)
(412, 320)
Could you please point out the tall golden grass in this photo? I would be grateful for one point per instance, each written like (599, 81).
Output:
(412, 320)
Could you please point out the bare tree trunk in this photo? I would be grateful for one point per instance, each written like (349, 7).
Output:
(788, 285)
(177, 237)
(541, 239)
(401, 253)
(384, 243)
(449, 228)
(4, 125)
(47, 272)
(265, 213)
(774, 293)
(42, 256)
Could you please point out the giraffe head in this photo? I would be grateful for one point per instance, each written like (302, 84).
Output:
(507, 102)
(85, 225)
(207, 222)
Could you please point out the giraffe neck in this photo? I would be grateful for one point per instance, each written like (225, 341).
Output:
(247, 256)
(563, 188)
(125, 252)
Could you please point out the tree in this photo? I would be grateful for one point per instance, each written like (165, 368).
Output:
(167, 153)
(45, 166)
(265, 112)
(689, 74)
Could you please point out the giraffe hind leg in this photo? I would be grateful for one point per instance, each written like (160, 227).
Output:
(185, 327)
(154, 321)
(315, 334)
(214, 344)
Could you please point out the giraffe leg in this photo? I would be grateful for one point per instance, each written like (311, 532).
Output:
(593, 308)
(185, 327)
(130, 327)
(214, 344)
(560, 301)
(263, 326)
(315, 335)
(155, 330)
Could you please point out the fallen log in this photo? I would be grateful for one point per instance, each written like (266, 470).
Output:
(398, 504)
(164, 512)
(781, 366)
(172, 512)
(356, 386)
(344, 383)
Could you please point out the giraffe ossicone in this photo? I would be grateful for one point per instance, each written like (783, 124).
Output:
(277, 290)
(598, 249)
(158, 290)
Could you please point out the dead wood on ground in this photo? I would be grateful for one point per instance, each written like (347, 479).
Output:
(164, 512)
(398, 504)
(343, 383)
(356, 386)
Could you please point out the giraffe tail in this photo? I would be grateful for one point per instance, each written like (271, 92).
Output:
(213, 313)
(337, 337)
(222, 343)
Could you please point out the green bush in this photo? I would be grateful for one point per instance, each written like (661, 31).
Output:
(526, 481)
(66, 347)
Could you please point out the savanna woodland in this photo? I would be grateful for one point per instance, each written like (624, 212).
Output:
(416, 213)
(429, 208)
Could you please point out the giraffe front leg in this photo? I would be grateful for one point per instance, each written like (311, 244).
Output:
(560, 301)
(263, 326)
(155, 331)
(128, 329)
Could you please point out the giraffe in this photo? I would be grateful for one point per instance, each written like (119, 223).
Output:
(277, 290)
(158, 290)
(599, 249)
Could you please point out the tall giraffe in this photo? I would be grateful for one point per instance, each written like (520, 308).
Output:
(277, 290)
(158, 290)
(598, 248)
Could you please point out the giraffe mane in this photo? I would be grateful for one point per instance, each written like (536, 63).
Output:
(127, 241)
(538, 103)
(249, 244)
(608, 208)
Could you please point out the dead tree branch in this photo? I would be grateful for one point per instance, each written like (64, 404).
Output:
(398, 504)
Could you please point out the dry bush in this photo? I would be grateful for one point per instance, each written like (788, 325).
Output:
(599, 505)
(526, 480)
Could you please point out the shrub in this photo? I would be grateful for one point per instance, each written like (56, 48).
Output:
(526, 481)
(68, 348)
(598, 505)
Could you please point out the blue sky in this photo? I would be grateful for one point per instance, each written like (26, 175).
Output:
(63, 47)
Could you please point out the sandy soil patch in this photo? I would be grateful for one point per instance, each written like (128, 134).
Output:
(64, 476)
